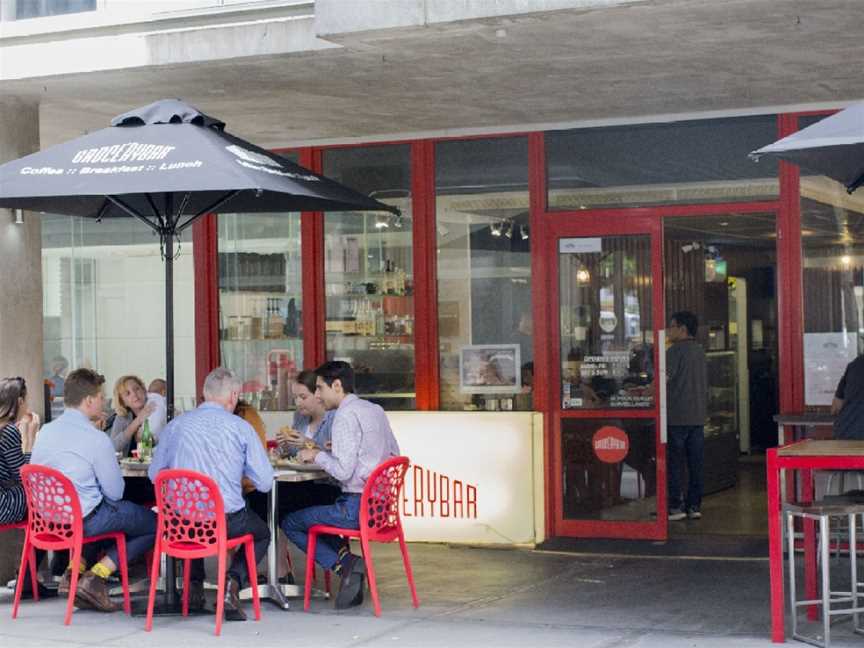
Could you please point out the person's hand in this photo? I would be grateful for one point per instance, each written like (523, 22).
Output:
(308, 455)
(288, 437)
(28, 426)
(146, 411)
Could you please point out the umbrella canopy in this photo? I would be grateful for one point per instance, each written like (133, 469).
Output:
(167, 164)
(167, 152)
(833, 147)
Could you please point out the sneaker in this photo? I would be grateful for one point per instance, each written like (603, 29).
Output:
(676, 514)
(694, 513)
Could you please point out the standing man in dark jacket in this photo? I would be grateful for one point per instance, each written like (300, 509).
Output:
(848, 403)
(687, 404)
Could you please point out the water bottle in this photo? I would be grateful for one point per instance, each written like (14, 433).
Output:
(145, 446)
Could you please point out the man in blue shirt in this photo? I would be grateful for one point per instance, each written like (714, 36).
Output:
(85, 455)
(213, 441)
(361, 439)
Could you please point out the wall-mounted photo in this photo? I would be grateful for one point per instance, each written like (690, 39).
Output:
(489, 368)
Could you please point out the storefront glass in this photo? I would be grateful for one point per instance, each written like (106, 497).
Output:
(484, 274)
(606, 319)
(662, 163)
(368, 275)
(104, 302)
(260, 304)
(832, 238)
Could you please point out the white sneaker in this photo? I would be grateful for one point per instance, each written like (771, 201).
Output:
(694, 513)
(676, 514)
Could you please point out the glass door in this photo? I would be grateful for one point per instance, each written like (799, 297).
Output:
(609, 459)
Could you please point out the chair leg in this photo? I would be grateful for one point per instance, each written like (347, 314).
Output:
(187, 577)
(370, 574)
(34, 582)
(73, 584)
(19, 585)
(310, 569)
(408, 572)
(328, 577)
(252, 568)
(124, 572)
(154, 579)
(220, 592)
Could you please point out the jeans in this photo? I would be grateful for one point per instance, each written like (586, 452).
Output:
(239, 523)
(344, 513)
(137, 522)
(686, 442)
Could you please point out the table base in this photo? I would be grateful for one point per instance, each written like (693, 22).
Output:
(162, 609)
(279, 594)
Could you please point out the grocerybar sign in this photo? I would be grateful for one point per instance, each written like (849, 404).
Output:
(430, 494)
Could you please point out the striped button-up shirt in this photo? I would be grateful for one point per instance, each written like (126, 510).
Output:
(362, 439)
(222, 446)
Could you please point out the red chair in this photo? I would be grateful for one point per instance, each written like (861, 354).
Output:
(191, 524)
(379, 522)
(54, 522)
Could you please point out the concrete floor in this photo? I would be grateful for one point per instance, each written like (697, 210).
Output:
(478, 597)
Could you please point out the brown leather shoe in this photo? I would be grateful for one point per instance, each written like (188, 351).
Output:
(93, 590)
(233, 611)
(65, 581)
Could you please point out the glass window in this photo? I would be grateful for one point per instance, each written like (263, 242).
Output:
(104, 302)
(260, 304)
(369, 277)
(665, 163)
(22, 9)
(606, 322)
(484, 274)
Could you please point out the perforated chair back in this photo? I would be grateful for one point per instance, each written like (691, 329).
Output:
(53, 508)
(379, 503)
(191, 512)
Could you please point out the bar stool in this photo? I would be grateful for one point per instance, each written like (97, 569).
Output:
(829, 599)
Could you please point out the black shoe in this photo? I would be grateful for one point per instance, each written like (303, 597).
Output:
(233, 612)
(196, 596)
(351, 585)
(287, 579)
(44, 592)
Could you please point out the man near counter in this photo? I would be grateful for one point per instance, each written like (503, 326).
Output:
(72, 445)
(848, 403)
(361, 439)
(687, 406)
(212, 440)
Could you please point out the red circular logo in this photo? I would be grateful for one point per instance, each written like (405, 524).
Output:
(610, 444)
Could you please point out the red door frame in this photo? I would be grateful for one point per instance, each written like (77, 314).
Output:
(577, 224)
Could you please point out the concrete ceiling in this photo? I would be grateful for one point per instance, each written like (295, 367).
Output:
(656, 58)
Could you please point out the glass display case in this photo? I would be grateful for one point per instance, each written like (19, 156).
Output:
(721, 426)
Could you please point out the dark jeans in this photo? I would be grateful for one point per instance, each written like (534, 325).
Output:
(239, 523)
(686, 443)
(345, 513)
(137, 522)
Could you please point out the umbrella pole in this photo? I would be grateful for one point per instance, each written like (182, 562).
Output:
(168, 247)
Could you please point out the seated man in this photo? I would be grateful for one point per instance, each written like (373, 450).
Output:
(213, 441)
(361, 439)
(72, 445)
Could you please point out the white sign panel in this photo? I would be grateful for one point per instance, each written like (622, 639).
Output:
(825, 358)
(579, 245)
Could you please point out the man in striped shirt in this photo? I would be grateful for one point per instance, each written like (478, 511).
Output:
(213, 441)
(361, 439)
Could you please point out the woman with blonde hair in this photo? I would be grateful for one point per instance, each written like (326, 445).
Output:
(133, 405)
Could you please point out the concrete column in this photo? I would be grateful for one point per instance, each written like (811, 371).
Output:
(20, 287)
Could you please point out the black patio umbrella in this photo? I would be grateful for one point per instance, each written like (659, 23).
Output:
(833, 147)
(167, 164)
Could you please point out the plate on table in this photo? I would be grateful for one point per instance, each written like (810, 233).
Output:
(132, 462)
(296, 465)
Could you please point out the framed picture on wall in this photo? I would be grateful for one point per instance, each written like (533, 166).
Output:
(489, 369)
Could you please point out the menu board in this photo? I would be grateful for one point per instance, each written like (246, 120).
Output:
(825, 358)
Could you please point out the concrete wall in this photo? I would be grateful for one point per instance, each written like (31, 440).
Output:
(20, 286)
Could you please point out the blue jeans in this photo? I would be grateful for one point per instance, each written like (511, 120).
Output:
(137, 522)
(345, 513)
(686, 442)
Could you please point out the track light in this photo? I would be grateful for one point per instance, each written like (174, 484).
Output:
(496, 228)
(381, 221)
(19, 216)
(523, 232)
(508, 229)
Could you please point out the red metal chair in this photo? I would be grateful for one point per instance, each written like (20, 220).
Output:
(54, 522)
(191, 524)
(379, 522)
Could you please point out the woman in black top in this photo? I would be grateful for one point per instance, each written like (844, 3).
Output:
(18, 428)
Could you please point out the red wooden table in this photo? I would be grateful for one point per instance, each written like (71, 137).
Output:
(804, 457)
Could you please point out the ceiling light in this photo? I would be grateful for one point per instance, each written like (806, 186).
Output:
(496, 228)
(19, 216)
(508, 229)
(583, 276)
(846, 259)
(381, 222)
(523, 232)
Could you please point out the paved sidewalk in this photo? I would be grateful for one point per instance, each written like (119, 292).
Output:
(474, 597)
